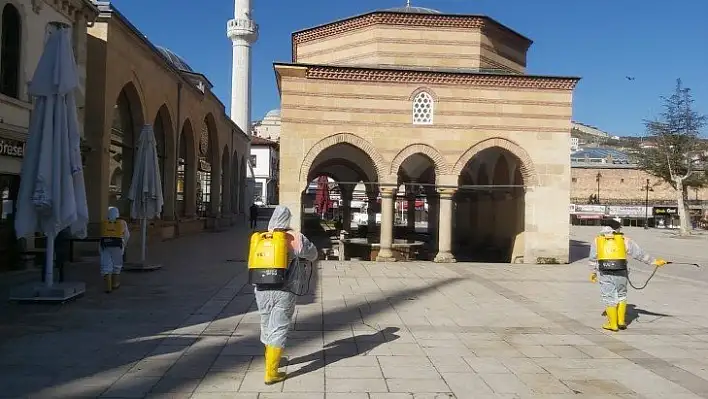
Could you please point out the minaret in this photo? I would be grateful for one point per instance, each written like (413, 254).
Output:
(243, 32)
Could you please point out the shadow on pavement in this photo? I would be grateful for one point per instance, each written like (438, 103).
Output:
(340, 349)
(633, 313)
(99, 345)
(579, 250)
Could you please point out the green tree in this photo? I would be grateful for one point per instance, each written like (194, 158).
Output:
(678, 155)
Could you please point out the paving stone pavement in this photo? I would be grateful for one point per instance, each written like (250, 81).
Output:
(368, 331)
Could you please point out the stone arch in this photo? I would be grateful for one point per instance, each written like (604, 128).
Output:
(528, 170)
(342, 138)
(501, 173)
(441, 166)
(424, 89)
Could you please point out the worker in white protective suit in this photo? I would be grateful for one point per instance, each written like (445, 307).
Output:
(276, 303)
(609, 263)
(114, 238)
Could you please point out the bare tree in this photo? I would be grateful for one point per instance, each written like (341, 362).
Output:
(678, 156)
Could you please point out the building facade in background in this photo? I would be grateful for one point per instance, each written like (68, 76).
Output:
(269, 127)
(439, 103)
(202, 153)
(265, 161)
(25, 26)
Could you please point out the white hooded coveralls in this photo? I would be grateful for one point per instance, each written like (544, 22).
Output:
(277, 306)
(112, 257)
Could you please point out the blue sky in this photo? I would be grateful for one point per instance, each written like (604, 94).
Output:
(602, 41)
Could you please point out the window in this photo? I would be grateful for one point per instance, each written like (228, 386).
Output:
(423, 109)
(252, 160)
(574, 180)
(10, 52)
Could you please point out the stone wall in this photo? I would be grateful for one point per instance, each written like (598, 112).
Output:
(623, 184)
(533, 124)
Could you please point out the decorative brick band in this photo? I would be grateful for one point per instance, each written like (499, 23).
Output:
(528, 170)
(446, 78)
(342, 138)
(441, 166)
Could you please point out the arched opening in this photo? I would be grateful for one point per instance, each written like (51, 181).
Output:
(415, 218)
(342, 194)
(185, 168)
(207, 153)
(162, 126)
(489, 212)
(225, 182)
(125, 128)
(10, 51)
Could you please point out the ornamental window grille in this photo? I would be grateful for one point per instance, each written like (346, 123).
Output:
(423, 109)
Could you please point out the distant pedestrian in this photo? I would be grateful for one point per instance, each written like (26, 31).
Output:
(254, 215)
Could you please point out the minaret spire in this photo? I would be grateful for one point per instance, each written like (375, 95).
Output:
(243, 32)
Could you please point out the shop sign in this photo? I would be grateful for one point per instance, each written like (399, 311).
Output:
(599, 209)
(630, 211)
(12, 148)
(665, 210)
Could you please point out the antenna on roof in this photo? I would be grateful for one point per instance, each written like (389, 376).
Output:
(408, 3)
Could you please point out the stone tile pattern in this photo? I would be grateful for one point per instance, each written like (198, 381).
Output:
(464, 331)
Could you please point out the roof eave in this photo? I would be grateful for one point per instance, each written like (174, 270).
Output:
(515, 33)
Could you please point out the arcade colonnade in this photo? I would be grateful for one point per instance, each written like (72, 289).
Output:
(202, 154)
(477, 199)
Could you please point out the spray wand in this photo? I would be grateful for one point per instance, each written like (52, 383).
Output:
(656, 268)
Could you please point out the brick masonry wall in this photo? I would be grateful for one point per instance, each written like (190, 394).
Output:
(624, 184)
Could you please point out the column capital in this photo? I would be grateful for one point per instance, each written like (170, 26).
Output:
(387, 192)
(447, 192)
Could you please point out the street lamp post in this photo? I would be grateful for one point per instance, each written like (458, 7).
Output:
(597, 179)
(646, 207)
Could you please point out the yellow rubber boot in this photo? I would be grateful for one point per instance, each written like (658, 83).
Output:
(272, 363)
(621, 314)
(116, 281)
(611, 319)
(107, 283)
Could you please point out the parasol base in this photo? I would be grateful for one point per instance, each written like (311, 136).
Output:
(141, 267)
(39, 292)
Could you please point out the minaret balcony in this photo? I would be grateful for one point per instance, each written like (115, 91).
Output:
(242, 28)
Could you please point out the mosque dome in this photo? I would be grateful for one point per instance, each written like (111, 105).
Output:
(272, 114)
(177, 61)
(413, 10)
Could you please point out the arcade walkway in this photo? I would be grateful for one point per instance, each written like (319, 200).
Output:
(449, 331)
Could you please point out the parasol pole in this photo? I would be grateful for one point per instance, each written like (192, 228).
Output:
(143, 231)
(49, 261)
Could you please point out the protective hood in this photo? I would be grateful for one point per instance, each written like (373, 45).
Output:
(606, 230)
(280, 219)
(113, 213)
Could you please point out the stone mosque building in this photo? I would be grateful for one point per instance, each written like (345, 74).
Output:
(411, 101)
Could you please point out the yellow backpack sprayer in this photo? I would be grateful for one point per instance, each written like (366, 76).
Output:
(268, 258)
(112, 233)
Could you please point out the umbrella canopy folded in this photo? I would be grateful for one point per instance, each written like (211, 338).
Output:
(146, 186)
(52, 193)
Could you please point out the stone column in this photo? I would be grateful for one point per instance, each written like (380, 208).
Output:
(410, 214)
(347, 193)
(386, 241)
(445, 227)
